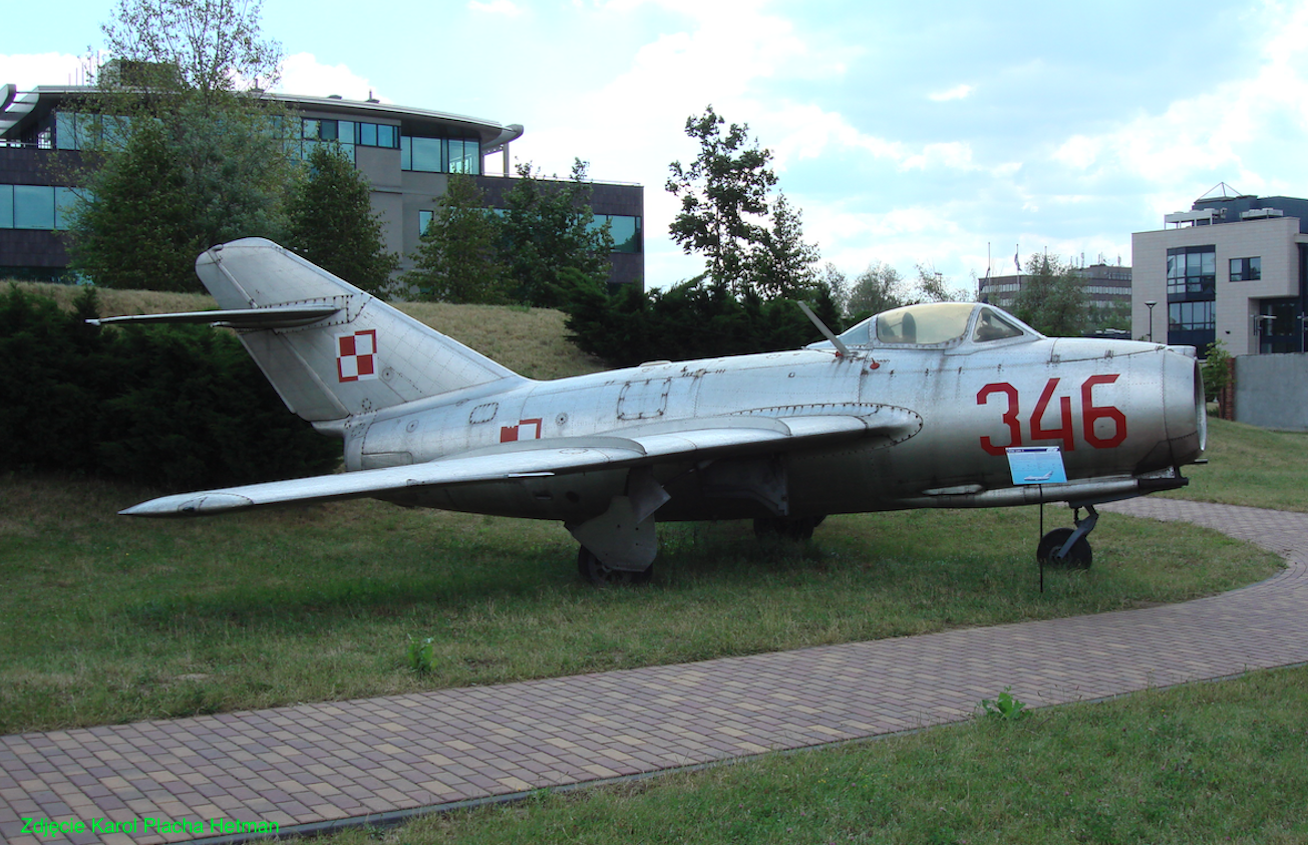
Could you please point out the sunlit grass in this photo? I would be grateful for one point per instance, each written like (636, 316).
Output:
(1205, 763)
(1251, 466)
(108, 619)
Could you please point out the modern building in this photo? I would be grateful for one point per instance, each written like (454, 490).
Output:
(1105, 285)
(1233, 268)
(407, 154)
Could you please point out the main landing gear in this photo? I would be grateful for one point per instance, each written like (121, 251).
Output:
(1068, 548)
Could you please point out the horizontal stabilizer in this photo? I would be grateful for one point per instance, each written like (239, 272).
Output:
(275, 317)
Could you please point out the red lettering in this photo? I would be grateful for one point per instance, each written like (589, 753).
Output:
(1064, 431)
(1009, 418)
(1092, 413)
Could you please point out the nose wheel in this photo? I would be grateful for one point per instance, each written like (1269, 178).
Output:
(1068, 548)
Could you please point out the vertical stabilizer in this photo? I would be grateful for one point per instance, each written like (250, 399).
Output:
(364, 357)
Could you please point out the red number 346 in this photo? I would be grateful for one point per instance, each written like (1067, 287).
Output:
(1062, 430)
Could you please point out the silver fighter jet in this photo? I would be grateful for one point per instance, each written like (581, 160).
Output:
(927, 406)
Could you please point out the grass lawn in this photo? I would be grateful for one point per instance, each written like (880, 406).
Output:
(1251, 466)
(108, 619)
(1205, 763)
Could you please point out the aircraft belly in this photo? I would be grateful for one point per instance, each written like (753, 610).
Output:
(574, 497)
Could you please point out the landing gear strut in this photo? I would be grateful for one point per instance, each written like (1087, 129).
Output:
(1068, 548)
(595, 572)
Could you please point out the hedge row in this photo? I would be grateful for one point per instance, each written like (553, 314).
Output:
(175, 407)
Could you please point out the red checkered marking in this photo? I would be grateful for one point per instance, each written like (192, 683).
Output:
(524, 430)
(356, 356)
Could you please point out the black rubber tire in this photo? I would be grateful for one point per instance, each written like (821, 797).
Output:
(1080, 556)
(595, 573)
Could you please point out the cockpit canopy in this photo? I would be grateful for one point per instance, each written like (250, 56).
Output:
(935, 324)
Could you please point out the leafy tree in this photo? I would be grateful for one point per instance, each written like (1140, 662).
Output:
(187, 72)
(724, 198)
(137, 232)
(1052, 299)
(548, 228)
(934, 287)
(1216, 370)
(837, 286)
(876, 289)
(332, 224)
(695, 319)
(783, 265)
(457, 259)
(209, 46)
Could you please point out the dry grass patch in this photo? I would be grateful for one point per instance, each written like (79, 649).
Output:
(529, 341)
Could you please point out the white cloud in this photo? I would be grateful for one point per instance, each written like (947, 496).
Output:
(303, 74)
(1225, 130)
(958, 92)
(496, 7)
(30, 70)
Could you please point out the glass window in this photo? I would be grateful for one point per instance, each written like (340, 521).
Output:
(368, 134)
(624, 230)
(1190, 316)
(938, 322)
(991, 326)
(426, 155)
(1246, 269)
(6, 206)
(424, 220)
(388, 136)
(66, 137)
(34, 207)
(65, 200)
(465, 156)
(1192, 272)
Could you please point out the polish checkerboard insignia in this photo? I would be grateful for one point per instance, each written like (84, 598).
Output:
(356, 356)
(524, 430)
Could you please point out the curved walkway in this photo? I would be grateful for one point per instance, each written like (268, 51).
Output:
(317, 764)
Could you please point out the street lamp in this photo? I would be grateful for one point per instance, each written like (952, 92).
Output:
(1150, 305)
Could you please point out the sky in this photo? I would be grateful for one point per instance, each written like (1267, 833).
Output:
(948, 134)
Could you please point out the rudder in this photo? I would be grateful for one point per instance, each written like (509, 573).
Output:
(363, 357)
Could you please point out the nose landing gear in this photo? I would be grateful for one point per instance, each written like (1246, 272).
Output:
(1068, 548)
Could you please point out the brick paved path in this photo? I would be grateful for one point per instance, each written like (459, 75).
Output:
(345, 760)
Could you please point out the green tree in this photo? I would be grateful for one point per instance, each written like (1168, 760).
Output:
(137, 235)
(457, 259)
(878, 288)
(331, 221)
(934, 287)
(188, 73)
(547, 228)
(724, 198)
(1216, 371)
(783, 265)
(1052, 298)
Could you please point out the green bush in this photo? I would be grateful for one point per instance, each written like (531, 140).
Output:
(177, 407)
(696, 319)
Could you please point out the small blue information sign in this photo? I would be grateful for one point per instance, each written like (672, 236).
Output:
(1037, 465)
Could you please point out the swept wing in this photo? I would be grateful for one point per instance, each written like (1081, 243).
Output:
(694, 439)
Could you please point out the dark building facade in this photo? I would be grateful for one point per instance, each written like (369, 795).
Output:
(407, 155)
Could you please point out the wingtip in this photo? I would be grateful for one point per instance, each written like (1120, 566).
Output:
(188, 505)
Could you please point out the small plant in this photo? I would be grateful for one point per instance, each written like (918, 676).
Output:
(1004, 706)
(421, 655)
